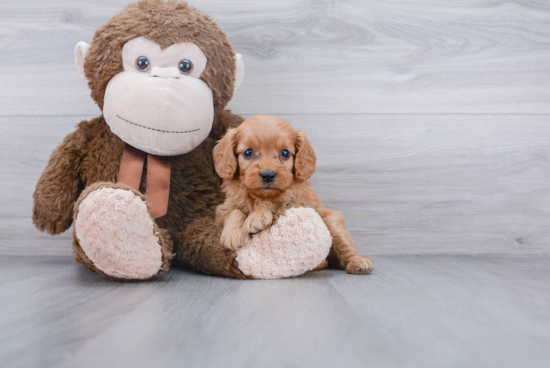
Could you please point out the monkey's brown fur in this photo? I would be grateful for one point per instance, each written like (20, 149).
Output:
(92, 153)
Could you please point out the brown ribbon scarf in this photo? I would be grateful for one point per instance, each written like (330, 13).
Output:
(158, 177)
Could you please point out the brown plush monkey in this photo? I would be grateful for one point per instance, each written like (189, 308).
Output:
(138, 182)
(162, 72)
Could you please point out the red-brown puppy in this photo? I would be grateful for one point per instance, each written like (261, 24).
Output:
(265, 163)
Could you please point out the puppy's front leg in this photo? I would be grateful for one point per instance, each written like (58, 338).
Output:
(233, 236)
(261, 218)
(343, 245)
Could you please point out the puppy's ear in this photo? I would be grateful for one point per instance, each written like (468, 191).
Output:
(304, 164)
(225, 160)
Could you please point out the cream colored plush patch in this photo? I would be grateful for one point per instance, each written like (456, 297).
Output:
(297, 243)
(116, 233)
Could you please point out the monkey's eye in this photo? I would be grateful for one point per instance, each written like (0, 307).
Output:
(285, 155)
(142, 64)
(185, 66)
(248, 153)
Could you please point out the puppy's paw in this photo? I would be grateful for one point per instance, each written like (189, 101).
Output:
(359, 265)
(233, 239)
(257, 221)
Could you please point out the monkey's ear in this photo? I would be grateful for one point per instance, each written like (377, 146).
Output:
(225, 160)
(304, 164)
(80, 52)
(239, 72)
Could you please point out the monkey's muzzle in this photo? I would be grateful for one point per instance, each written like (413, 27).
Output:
(159, 114)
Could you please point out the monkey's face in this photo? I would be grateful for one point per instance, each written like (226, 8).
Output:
(157, 103)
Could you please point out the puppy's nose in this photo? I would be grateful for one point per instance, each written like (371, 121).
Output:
(268, 176)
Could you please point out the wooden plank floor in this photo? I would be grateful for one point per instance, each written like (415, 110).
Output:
(412, 311)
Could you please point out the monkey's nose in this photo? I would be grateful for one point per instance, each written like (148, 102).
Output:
(171, 72)
(268, 176)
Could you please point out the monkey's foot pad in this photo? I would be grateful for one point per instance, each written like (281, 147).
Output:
(296, 244)
(117, 234)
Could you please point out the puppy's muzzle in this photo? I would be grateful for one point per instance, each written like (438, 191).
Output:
(268, 176)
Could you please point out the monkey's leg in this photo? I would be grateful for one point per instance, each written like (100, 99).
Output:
(115, 236)
(199, 248)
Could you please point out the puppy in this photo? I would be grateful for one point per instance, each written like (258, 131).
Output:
(265, 163)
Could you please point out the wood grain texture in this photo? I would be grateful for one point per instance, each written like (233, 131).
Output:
(411, 312)
(438, 184)
(406, 184)
(354, 56)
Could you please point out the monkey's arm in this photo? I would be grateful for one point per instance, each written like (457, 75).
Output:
(59, 186)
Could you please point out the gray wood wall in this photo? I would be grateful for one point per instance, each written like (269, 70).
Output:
(430, 119)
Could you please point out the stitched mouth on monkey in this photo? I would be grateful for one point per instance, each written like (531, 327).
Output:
(159, 130)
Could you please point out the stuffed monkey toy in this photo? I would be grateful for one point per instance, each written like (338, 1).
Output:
(134, 178)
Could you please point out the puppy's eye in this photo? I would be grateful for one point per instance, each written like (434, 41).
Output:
(248, 153)
(285, 155)
(142, 64)
(185, 66)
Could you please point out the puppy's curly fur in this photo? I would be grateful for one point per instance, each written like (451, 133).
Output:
(265, 163)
